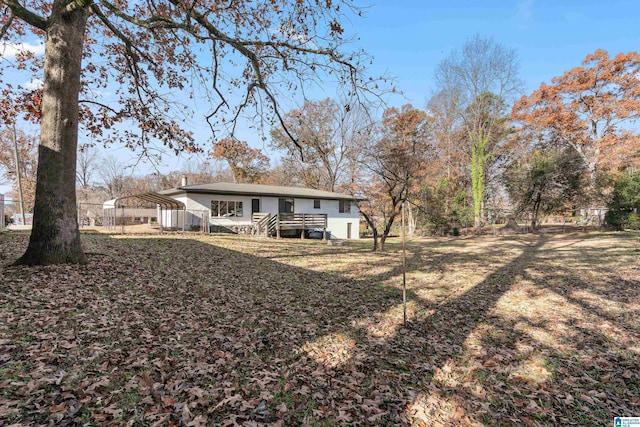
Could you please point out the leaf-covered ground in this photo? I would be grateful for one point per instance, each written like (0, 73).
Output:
(229, 330)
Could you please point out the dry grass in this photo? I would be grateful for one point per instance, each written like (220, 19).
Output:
(229, 330)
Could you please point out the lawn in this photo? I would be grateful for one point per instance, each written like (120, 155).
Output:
(228, 330)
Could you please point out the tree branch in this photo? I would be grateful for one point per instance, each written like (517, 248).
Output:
(204, 29)
(281, 119)
(99, 104)
(6, 25)
(25, 14)
(129, 45)
(241, 47)
(223, 100)
(151, 23)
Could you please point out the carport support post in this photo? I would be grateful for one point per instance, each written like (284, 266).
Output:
(122, 216)
(303, 227)
(278, 226)
(184, 219)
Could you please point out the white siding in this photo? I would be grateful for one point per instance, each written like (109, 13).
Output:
(269, 204)
(184, 199)
(337, 223)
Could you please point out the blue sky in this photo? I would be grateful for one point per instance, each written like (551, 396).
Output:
(409, 38)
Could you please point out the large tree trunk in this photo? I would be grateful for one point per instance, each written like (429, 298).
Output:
(375, 239)
(387, 228)
(55, 237)
(372, 224)
(536, 212)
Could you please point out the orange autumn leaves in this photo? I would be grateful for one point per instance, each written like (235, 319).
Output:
(590, 108)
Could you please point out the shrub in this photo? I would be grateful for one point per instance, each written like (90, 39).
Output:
(624, 208)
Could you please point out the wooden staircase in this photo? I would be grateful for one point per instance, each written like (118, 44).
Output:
(262, 224)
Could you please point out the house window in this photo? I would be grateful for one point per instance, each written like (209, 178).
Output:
(285, 206)
(344, 206)
(235, 209)
(316, 204)
(226, 208)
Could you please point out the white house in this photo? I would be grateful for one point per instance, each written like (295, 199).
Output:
(245, 206)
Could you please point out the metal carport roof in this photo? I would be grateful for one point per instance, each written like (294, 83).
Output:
(152, 197)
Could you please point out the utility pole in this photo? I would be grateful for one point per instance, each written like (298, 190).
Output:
(15, 148)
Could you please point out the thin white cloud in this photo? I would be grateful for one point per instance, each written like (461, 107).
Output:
(9, 50)
(293, 36)
(34, 84)
(524, 14)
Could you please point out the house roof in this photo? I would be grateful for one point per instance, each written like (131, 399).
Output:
(257, 190)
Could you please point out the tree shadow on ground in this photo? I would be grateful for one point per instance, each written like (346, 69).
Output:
(179, 330)
(435, 342)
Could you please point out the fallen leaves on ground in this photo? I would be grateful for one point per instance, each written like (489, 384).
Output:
(228, 330)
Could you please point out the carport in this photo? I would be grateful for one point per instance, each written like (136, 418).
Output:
(166, 207)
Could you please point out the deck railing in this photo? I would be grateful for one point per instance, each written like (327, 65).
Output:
(269, 224)
(272, 225)
(303, 221)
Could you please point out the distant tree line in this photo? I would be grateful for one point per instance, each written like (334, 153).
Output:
(476, 152)
(473, 154)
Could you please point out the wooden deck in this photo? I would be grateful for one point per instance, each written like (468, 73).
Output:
(266, 224)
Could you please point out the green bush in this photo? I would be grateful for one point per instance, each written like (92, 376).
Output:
(633, 221)
(624, 208)
(623, 220)
(616, 218)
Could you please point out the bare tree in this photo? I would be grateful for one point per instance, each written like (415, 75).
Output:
(196, 171)
(113, 176)
(87, 165)
(482, 80)
(451, 177)
(332, 138)
(284, 171)
(18, 155)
